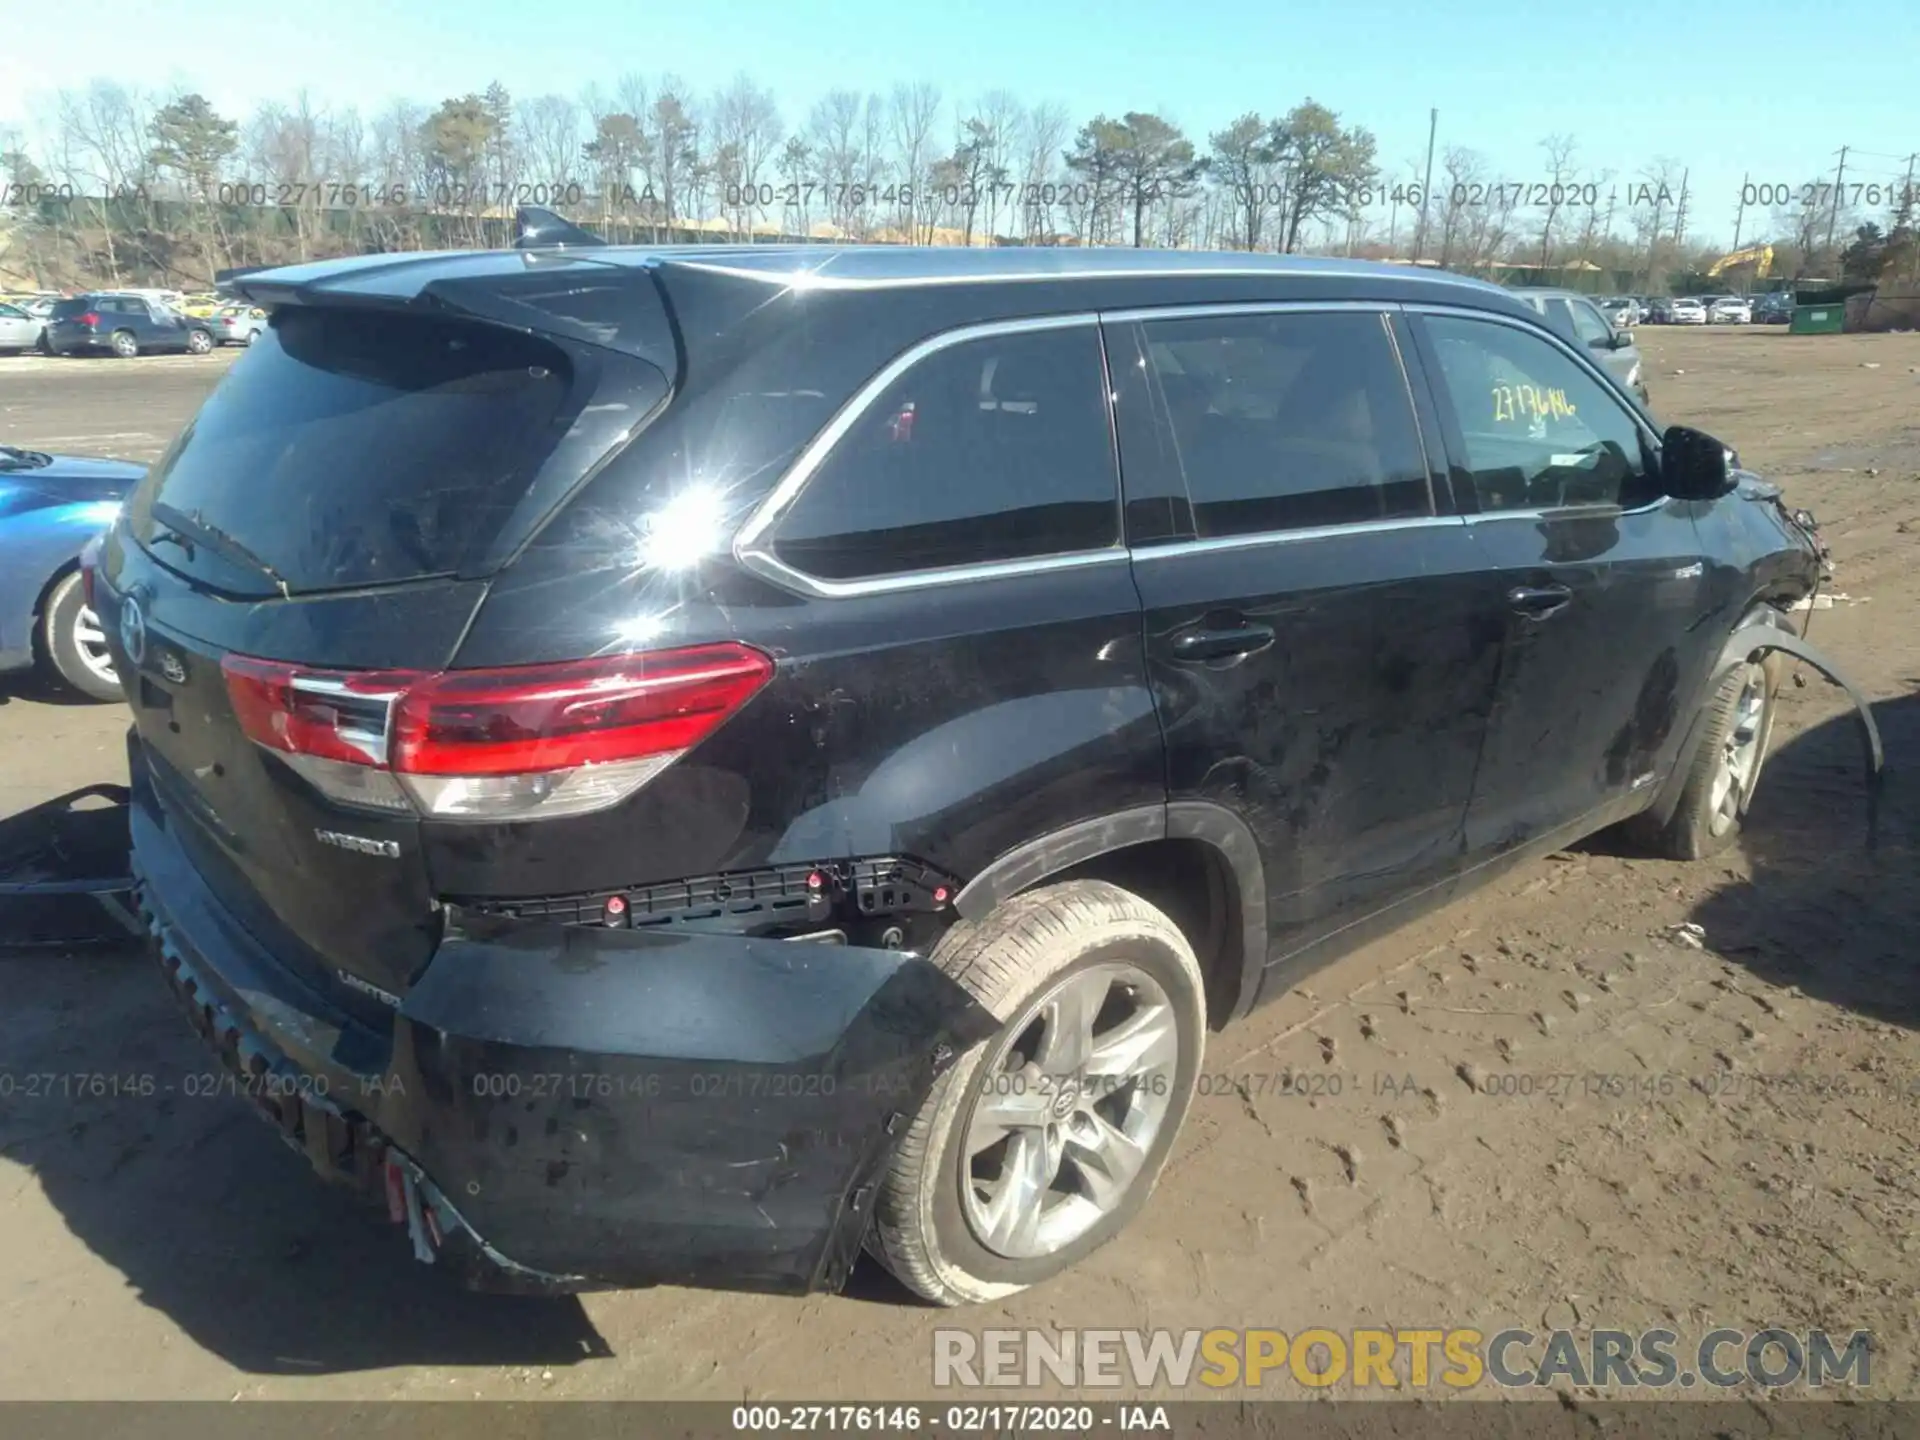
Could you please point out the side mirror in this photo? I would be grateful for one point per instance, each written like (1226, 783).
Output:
(1694, 465)
(1622, 339)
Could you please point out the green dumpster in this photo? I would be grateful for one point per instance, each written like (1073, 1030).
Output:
(1817, 319)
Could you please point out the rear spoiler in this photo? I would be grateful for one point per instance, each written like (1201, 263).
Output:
(541, 237)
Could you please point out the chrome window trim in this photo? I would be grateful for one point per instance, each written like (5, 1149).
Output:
(752, 543)
(1261, 538)
(1467, 312)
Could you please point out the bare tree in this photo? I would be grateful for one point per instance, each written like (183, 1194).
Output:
(1560, 177)
(550, 141)
(106, 127)
(1651, 200)
(911, 117)
(1045, 142)
(673, 134)
(747, 130)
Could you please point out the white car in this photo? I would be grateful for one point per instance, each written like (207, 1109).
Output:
(1730, 310)
(237, 324)
(1686, 312)
(19, 330)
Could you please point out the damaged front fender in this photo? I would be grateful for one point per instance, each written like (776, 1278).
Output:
(1749, 644)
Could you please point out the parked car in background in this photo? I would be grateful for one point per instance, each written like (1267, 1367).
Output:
(237, 324)
(19, 329)
(1730, 310)
(1686, 310)
(123, 324)
(1622, 311)
(1577, 318)
(201, 306)
(51, 506)
(171, 299)
(1001, 664)
(1773, 308)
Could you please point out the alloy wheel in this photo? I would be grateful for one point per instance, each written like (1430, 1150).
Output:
(1068, 1109)
(91, 643)
(1740, 755)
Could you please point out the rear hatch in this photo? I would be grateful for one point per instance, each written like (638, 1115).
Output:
(316, 541)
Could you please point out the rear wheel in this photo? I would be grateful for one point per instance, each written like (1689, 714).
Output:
(124, 345)
(199, 342)
(72, 644)
(1044, 1140)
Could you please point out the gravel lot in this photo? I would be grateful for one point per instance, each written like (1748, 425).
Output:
(172, 1247)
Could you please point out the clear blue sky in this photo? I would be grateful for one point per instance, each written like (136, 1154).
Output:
(1630, 79)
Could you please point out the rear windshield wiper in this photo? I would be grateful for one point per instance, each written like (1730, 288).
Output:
(198, 529)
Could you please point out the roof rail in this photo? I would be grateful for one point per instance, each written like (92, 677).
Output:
(539, 229)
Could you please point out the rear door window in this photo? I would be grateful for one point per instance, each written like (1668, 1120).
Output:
(989, 450)
(354, 448)
(71, 309)
(1289, 421)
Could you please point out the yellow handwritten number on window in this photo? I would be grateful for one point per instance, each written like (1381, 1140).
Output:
(1511, 403)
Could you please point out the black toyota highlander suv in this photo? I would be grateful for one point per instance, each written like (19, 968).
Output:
(677, 765)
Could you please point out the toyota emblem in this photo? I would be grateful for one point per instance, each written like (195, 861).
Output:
(133, 630)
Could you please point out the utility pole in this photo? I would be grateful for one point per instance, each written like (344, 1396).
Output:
(1833, 215)
(1426, 190)
(1740, 214)
(1680, 210)
(1905, 207)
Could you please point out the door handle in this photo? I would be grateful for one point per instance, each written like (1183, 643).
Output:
(1219, 644)
(1537, 602)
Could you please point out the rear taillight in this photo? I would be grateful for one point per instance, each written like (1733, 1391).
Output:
(90, 319)
(528, 743)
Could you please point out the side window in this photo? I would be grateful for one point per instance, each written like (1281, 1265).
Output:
(12, 312)
(1539, 431)
(989, 450)
(1559, 314)
(1590, 325)
(1289, 421)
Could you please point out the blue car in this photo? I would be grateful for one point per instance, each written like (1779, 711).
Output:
(51, 506)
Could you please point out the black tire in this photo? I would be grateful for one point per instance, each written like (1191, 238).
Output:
(199, 342)
(45, 345)
(1009, 961)
(124, 345)
(59, 646)
(1701, 825)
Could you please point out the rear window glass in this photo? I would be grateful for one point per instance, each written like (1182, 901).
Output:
(70, 309)
(991, 450)
(356, 448)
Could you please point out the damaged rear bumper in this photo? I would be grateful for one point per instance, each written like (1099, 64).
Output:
(565, 1108)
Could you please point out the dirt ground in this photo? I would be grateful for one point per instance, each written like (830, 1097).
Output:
(1758, 1167)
